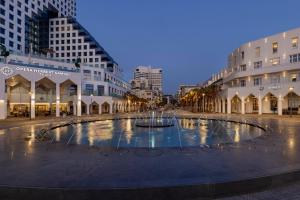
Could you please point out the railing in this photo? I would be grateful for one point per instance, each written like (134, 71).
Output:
(268, 84)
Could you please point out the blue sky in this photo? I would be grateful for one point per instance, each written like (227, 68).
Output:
(189, 39)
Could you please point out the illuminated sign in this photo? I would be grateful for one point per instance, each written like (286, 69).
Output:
(44, 72)
(7, 71)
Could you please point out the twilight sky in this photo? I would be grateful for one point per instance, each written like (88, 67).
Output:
(189, 39)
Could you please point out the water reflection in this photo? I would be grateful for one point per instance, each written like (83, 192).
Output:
(188, 132)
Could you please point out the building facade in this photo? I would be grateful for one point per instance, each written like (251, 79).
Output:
(56, 66)
(24, 24)
(148, 84)
(262, 77)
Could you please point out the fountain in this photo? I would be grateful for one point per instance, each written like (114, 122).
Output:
(154, 119)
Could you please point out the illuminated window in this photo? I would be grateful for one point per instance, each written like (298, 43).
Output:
(294, 78)
(295, 42)
(275, 61)
(275, 47)
(257, 52)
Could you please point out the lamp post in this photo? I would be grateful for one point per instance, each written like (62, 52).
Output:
(203, 102)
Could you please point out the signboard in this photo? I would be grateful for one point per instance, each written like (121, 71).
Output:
(8, 71)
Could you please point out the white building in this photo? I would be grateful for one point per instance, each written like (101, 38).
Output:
(40, 77)
(147, 83)
(262, 77)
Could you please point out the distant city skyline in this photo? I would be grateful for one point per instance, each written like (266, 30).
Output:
(190, 41)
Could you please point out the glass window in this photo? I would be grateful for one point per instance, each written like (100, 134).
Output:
(257, 81)
(275, 61)
(295, 42)
(257, 52)
(275, 47)
(257, 65)
(243, 83)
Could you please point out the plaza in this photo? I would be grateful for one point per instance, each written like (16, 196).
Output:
(73, 127)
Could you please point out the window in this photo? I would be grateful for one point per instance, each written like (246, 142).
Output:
(257, 81)
(243, 55)
(257, 52)
(243, 68)
(275, 47)
(294, 77)
(275, 61)
(87, 75)
(295, 42)
(294, 58)
(257, 65)
(243, 83)
(89, 89)
(275, 79)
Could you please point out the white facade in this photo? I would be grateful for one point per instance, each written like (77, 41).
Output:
(263, 76)
(45, 41)
(71, 41)
(34, 86)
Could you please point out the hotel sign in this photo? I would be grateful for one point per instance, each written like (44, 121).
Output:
(8, 71)
(44, 72)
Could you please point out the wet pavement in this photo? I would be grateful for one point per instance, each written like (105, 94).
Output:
(29, 163)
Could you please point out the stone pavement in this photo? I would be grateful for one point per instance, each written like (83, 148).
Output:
(46, 165)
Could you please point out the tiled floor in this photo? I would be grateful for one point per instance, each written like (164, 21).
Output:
(38, 164)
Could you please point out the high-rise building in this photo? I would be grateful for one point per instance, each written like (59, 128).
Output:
(148, 83)
(24, 24)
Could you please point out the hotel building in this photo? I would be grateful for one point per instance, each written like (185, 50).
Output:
(147, 83)
(262, 77)
(39, 77)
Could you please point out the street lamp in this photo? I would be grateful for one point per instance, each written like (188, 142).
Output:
(203, 102)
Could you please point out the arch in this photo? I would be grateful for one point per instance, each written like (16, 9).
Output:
(270, 103)
(18, 96)
(236, 104)
(94, 108)
(45, 97)
(105, 108)
(251, 104)
(291, 103)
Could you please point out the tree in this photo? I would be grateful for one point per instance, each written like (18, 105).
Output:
(4, 52)
(77, 62)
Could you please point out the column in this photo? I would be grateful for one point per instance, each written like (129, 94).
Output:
(100, 108)
(32, 100)
(228, 105)
(3, 100)
(280, 105)
(57, 99)
(88, 107)
(259, 105)
(220, 106)
(223, 106)
(78, 100)
(243, 105)
(110, 108)
(74, 107)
